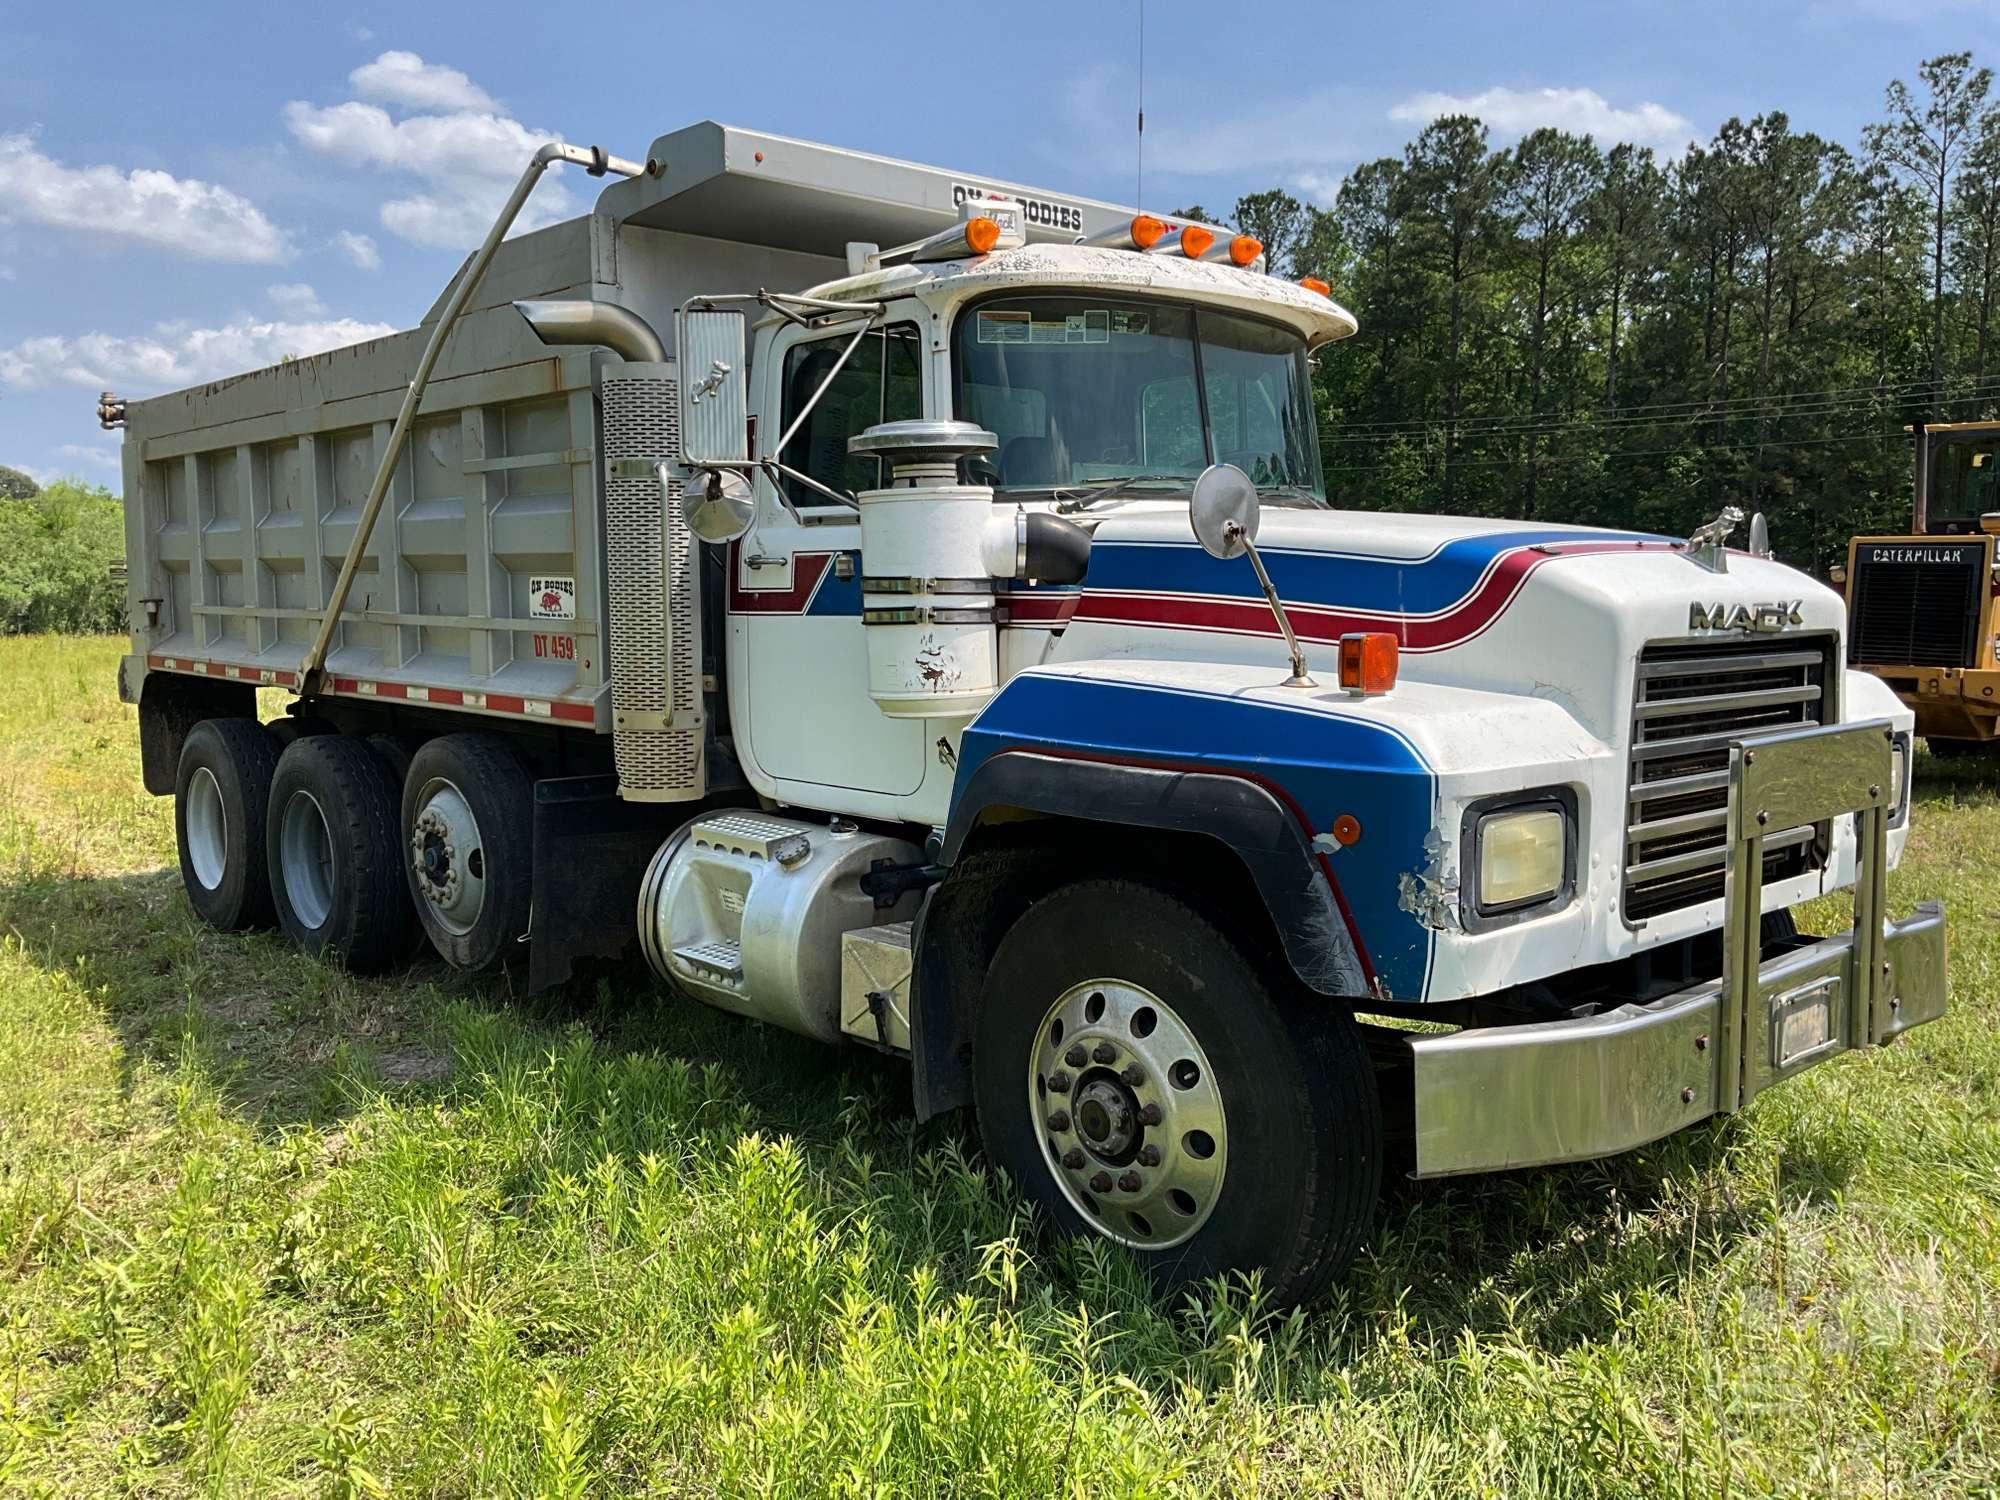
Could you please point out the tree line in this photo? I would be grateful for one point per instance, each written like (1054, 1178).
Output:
(1561, 331)
(58, 547)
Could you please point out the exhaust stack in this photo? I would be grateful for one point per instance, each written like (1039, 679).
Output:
(618, 329)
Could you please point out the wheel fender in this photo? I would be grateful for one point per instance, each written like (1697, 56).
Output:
(1290, 877)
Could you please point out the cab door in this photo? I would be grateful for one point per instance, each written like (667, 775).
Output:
(798, 645)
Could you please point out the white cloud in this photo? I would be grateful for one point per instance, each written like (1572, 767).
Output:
(465, 156)
(1317, 187)
(196, 218)
(174, 354)
(1516, 112)
(296, 299)
(360, 249)
(405, 78)
(6, 273)
(95, 454)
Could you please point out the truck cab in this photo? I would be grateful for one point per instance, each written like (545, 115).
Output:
(907, 605)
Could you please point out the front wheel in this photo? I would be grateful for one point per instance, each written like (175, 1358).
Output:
(1145, 1081)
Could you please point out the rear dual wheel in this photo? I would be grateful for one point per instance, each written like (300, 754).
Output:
(222, 790)
(334, 853)
(467, 846)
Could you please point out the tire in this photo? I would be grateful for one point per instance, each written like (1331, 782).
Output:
(1268, 1125)
(396, 755)
(335, 860)
(221, 790)
(466, 847)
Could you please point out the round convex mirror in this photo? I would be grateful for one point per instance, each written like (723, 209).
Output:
(1223, 510)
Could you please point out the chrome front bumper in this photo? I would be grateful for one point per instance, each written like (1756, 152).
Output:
(1518, 1096)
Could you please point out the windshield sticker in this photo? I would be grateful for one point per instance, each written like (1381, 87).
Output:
(1128, 322)
(1004, 326)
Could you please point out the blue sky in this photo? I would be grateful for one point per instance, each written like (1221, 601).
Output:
(189, 191)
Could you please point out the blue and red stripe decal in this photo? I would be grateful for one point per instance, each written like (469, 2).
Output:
(1433, 603)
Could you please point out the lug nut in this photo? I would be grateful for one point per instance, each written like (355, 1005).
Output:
(1073, 1159)
(1131, 1182)
(1149, 1156)
(1076, 1057)
(1101, 1183)
(1104, 1052)
(1133, 1077)
(1059, 1121)
(1149, 1114)
(1058, 1083)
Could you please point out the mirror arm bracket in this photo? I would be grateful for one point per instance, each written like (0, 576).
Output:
(1300, 678)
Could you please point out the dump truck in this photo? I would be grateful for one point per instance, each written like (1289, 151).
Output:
(1921, 610)
(905, 604)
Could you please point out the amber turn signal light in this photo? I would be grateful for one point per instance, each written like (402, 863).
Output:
(1244, 249)
(1368, 661)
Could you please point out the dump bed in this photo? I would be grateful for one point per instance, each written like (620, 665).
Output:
(483, 578)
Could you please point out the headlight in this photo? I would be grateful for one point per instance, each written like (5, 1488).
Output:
(1520, 851)
(1520, 857)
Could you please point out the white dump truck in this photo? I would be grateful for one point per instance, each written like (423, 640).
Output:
(906, 603)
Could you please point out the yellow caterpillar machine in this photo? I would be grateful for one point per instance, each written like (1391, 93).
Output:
(1921, 608)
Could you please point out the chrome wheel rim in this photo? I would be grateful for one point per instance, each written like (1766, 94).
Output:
(305, 851)
(1128, 1113)
(448, 857)
(207, 829)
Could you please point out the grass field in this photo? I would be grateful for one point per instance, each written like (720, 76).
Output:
(268, 1229)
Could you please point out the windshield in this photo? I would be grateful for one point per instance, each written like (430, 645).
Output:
(1094, 392)
(1965, 481)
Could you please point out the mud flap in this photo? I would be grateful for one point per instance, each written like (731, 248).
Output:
(591, 848)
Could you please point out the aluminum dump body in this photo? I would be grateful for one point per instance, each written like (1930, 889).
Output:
(483, 578)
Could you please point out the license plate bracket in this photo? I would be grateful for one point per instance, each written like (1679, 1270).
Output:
(1803, 1023)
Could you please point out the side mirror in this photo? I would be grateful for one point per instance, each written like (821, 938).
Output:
(714, 387)
(1224, 511)
(719, 504)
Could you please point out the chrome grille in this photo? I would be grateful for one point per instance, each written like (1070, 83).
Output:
(1692, 699)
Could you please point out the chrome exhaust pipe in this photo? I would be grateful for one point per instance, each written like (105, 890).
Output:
(618, 329)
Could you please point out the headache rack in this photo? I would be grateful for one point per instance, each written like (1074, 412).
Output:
(1691, 700)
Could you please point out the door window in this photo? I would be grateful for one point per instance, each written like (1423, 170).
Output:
(881, 382)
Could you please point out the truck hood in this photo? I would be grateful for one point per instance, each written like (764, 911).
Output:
(1560, 612)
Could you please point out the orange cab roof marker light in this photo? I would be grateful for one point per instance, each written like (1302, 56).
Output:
(1368, 661)
(1244, 250)
(981, 235)
(1144, 232)
(1314, 284)
(1194, 241)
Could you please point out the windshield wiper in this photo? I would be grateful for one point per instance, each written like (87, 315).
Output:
(1292, 491)
(1070, 498)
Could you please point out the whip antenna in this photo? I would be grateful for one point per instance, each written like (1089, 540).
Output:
(1139, 189)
